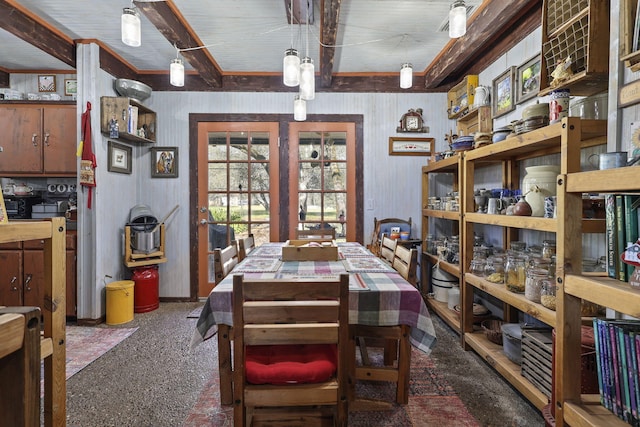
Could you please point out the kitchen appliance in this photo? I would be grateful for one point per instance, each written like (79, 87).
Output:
(20, 207)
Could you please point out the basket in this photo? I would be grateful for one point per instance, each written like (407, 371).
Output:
(492, 330)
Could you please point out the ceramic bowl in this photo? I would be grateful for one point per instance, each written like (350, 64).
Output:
(500, 134)
(535, 110)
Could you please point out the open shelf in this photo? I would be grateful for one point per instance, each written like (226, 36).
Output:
(516, 300)
(497, 359)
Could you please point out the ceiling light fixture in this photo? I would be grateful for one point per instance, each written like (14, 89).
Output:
(299, 109)
(307, 70)
(176, 70)
(406, 76)
(457, 19)
(291, 62)
(130, 26)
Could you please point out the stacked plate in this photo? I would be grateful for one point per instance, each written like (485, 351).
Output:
(463, 143)
(532, 123)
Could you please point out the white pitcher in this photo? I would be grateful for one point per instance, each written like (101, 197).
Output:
(481, 96)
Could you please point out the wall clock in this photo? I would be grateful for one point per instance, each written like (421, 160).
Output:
(47, 83)
(412, 121)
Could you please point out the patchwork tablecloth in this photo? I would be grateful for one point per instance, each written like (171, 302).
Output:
(377, 298)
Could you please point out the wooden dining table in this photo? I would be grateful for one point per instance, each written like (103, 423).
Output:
(379, 296)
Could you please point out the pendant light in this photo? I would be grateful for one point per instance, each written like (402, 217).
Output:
(457, 19)
(130, 26)
(176, 70)
(406, 76)
(307, 71)
(291, 62)
(299, 109)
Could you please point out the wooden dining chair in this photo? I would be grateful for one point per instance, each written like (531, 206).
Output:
(291, 339)
(224, 260)
(245, 246)
(388, 249)
(316, 233)
(405, 262)
(383, 226)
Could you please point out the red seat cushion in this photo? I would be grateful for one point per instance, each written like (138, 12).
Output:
(290, 364)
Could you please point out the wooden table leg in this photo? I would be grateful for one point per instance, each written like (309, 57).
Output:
(351, 365)
(224, 364)
(404, 366)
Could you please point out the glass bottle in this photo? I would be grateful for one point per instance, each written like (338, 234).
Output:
(514, 271)
(548, 294)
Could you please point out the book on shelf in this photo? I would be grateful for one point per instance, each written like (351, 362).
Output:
(620, 231)
(611, 235)
(631, 204)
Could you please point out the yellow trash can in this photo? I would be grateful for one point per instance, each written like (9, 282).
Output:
(120, 302)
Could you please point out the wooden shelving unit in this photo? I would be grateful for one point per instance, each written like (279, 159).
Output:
(52, 346)
(570, 405)
(567, 137)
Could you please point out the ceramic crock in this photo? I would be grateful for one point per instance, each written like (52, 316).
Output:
(539, 183)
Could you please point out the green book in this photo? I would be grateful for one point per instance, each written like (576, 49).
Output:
(631, 203)
(620, 233)
(610, 222)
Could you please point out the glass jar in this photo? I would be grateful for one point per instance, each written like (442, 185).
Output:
(518, 246)
(477, 267)
(514, 271)
(429, 244)
(548, 249)
(548, 294)
(533, 283)
(494, 270)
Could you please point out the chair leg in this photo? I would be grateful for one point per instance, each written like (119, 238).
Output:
(364, 353)
(404, 367)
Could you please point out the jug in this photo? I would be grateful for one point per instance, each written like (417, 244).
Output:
(481, 96)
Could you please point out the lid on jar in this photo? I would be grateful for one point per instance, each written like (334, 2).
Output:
(549, 242)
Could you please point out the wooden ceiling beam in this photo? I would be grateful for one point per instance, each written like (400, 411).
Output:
(491, 22)
(166, 17)
(18, 21)
(328, 30)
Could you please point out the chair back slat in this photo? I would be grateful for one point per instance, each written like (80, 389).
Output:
(388, 249)
(224, 260)
(270, 289)
(299, 333)
(405, 262)
(287, 311)
(245, 246)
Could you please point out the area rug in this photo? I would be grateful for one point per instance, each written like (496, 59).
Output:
(432, 402)
(86, 344)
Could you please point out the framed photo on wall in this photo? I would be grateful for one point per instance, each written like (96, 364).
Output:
(70, 87)
(47, 83)
(164, 162)
(119, 157)
(503, 100)
(528, 79)
(401, 146)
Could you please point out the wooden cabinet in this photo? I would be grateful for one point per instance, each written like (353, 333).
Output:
(136, 123)
(578, 30)
(629, 52)
(39, 139)
(574, 408)
(22, 277)
(567, 137)
(476, 120)
(450, 168)
(460, 98)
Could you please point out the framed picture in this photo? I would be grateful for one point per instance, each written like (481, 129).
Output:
(164, 162)
(47, 83)
(119, 158)
(3, 210)
(70, 87)
(503, 93)
(528, 79)
(401, 146)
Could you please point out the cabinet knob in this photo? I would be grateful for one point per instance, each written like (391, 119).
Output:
(34, 139)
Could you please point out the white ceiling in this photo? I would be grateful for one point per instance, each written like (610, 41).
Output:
(374, 36)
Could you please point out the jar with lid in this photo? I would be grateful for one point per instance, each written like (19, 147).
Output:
(429, 244)
(494, 269)
(477, 267)
(533, 283)
(514, 271)
(548, 294)
(548, 248)
(518, 246)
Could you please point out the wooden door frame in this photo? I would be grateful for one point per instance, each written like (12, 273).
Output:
(284, 120)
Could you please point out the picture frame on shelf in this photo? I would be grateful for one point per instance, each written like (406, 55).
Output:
(120, 160)
(70, 87)
(164, 162)
(404, 146)
(528, 79)
(503, 99)
(47, 83)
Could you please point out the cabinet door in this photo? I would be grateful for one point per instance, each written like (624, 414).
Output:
(71, 283)
(11, 278)
(34, 278)
(60, 140)
(21, 143)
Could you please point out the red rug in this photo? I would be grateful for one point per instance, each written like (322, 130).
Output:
(432, 402)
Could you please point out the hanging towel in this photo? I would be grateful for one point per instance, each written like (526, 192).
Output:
(88, 162)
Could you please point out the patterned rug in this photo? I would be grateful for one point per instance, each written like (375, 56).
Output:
(432, 402)
(85, 344)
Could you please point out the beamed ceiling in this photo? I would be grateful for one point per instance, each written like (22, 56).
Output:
(357, 45)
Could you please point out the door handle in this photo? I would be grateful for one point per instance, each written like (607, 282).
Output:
(34, 139)
(27, 281)
(13, 283)
(203, 222)
(46, 138)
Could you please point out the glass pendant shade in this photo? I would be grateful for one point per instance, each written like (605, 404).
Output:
(130, 26)
(291, 68)
(307, 79)
(457, 19)
(299, 109)
(176, 72)
(406, 76)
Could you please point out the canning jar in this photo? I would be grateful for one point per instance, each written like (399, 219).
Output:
(477, 267)
(494, 270)
(514, 271)
(548, 248)
(533, 283)
(548, 294)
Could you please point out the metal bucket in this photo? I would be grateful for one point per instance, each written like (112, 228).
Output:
(145, 242)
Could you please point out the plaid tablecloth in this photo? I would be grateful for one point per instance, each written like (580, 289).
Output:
(376, 298)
